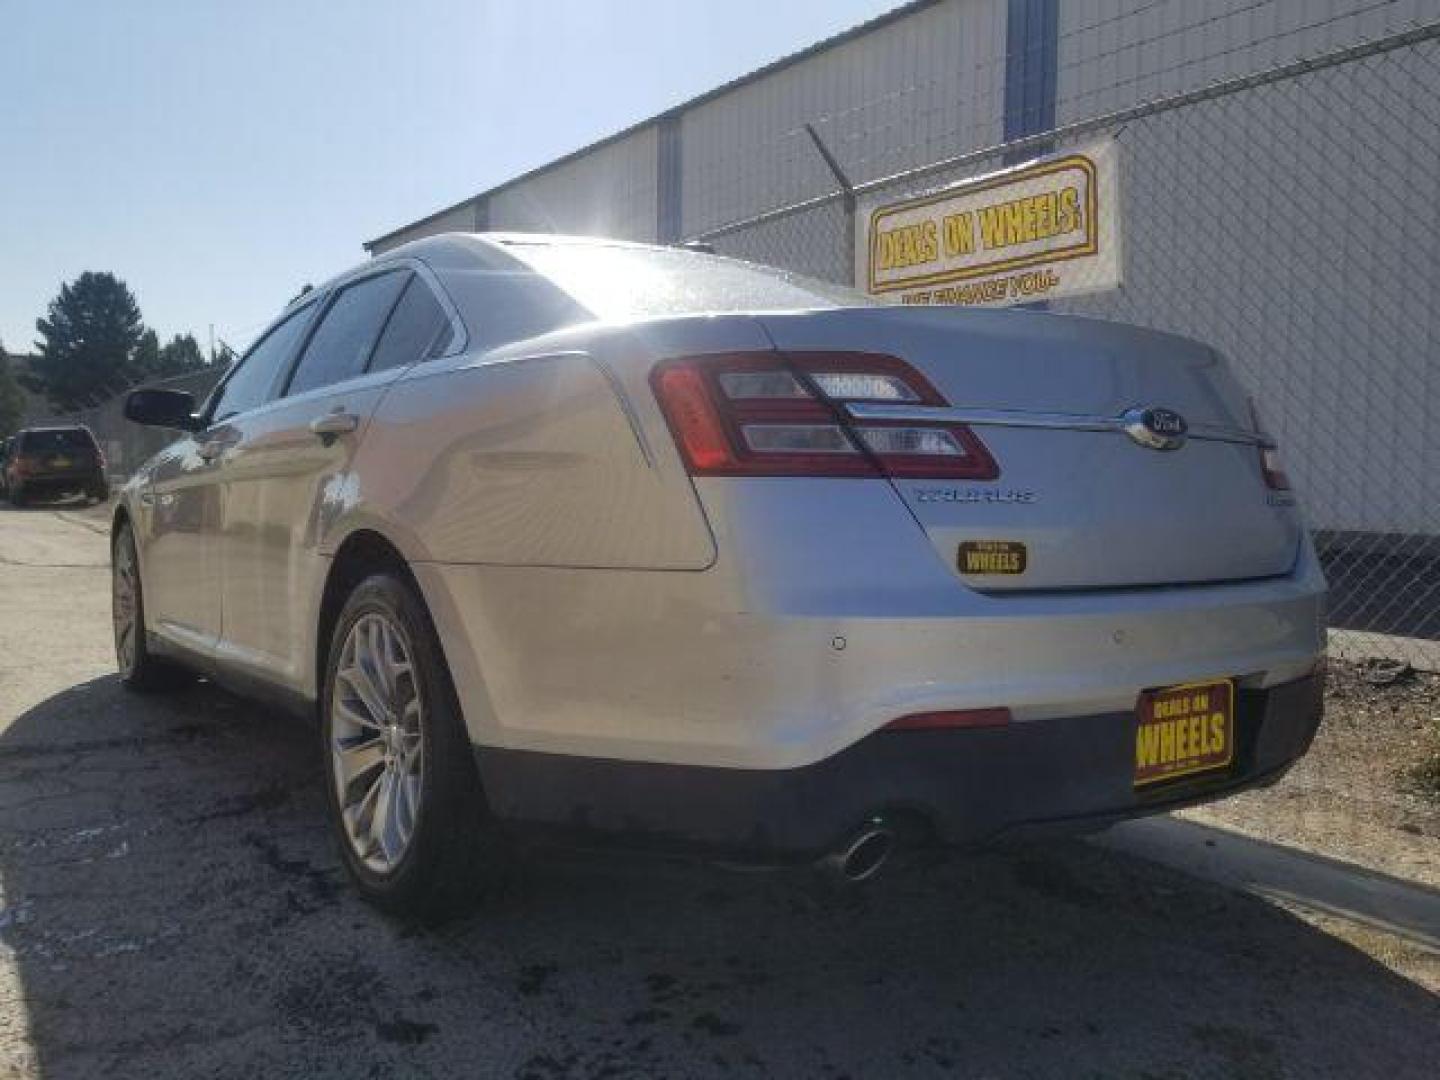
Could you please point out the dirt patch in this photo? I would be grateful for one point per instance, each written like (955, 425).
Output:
(1382, 733)
(1369, 790)
(1422, 775)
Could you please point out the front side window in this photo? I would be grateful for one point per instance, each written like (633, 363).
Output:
(253, 383)
(418, 328)
(341, 344)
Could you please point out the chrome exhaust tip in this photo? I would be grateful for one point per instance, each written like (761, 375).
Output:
(862, 856)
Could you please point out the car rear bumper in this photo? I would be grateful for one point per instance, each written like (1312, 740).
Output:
(693, 669)
(967, 786)
(51, 481)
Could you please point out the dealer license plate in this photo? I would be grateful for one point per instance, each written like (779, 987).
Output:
(1183, 730)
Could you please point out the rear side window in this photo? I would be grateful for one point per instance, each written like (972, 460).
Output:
(46, 441)
(418, 328)
(253, 383)
(341, 344)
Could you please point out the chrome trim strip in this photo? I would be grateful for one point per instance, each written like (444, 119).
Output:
(1052, 421)
(491, 358)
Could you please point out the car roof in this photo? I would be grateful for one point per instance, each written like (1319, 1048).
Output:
(446, 250)
(446, 247)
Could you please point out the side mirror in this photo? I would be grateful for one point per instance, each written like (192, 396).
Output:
(162, 408)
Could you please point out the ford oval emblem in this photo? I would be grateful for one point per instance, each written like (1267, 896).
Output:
(1157, 428)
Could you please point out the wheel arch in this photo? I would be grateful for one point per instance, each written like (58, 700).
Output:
(362, 553)
(119, 520)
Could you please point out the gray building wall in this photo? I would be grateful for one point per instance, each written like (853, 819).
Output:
(610, 191)
(923, 87)
(923, 83)
(1115, 53)
(1294, 226)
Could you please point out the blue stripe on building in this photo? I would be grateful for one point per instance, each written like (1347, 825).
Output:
(668, 194)
(1032, 35)
(1032, 32)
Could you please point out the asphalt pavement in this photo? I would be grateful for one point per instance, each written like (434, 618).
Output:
(170, 906)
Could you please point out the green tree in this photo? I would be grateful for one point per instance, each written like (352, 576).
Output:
(87, 342)
(12, 398)
(179, 355)
(145, 360)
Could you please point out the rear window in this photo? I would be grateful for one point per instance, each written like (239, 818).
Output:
(504, 306)
(341, 344)
(417, 328)
(617, 282)
(45, 441)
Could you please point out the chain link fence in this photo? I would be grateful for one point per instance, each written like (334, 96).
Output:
(1290, 218)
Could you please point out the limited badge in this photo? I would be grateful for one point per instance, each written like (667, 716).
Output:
(992, 557)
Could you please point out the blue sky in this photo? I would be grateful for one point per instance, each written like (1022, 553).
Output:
(218, 155)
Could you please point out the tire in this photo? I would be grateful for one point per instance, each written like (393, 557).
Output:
(140, 669)
(394, 739)
(99, 491)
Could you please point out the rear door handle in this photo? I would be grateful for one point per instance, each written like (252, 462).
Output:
(338, 422)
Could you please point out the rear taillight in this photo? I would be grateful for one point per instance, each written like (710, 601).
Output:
(1270, 467)
(24, 464)
(782, 414)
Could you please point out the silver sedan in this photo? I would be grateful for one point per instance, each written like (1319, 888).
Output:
(641, 543)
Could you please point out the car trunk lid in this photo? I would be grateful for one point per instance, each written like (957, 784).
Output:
(1078, 504)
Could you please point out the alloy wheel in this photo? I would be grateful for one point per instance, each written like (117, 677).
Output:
(123, 606)
(376, 741)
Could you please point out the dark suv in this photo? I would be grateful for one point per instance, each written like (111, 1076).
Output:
(55, 460)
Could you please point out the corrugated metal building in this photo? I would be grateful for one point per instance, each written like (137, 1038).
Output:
(1278, 198)
(921, 82)
(930, 80)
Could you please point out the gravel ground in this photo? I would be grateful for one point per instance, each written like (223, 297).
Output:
(170, 906)
(1352, 796)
